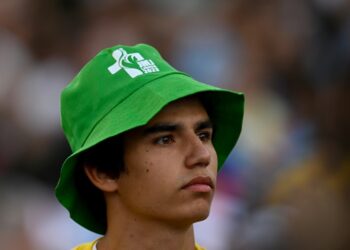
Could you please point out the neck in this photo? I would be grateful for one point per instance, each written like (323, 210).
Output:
(125, 231)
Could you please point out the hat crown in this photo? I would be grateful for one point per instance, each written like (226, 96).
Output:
(104, 82)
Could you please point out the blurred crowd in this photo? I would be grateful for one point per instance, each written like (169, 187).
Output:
(287, 183)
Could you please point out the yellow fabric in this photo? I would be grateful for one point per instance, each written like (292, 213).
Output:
(85, 246)
(89, 245)
(198, 247)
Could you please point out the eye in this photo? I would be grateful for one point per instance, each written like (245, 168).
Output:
(163, 140)
(205, 136)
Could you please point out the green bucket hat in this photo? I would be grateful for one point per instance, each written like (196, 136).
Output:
(121, 88)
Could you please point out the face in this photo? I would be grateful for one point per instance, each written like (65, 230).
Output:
(171, 165)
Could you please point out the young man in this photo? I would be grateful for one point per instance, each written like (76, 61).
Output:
(147, 142)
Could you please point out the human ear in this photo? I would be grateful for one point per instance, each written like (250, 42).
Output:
(101, 180)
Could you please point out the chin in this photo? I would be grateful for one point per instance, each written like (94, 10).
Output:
(188, 219)
(191, 212)
(198, 211)
(201, 215)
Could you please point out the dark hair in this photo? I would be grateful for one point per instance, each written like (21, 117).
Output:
(106, 157)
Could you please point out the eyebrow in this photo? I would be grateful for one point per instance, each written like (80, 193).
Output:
(204, 125)
(170, 127)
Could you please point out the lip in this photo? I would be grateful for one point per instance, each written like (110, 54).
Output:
(200, 184)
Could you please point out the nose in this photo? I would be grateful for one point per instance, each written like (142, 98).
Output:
(198, 153)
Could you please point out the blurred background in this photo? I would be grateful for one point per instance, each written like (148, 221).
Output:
(286, 184)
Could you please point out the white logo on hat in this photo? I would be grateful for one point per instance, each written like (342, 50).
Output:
(134, 64)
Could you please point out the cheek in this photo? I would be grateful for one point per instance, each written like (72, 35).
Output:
(149, 170)
(213, 157)
(148, 185)
(145, 162)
